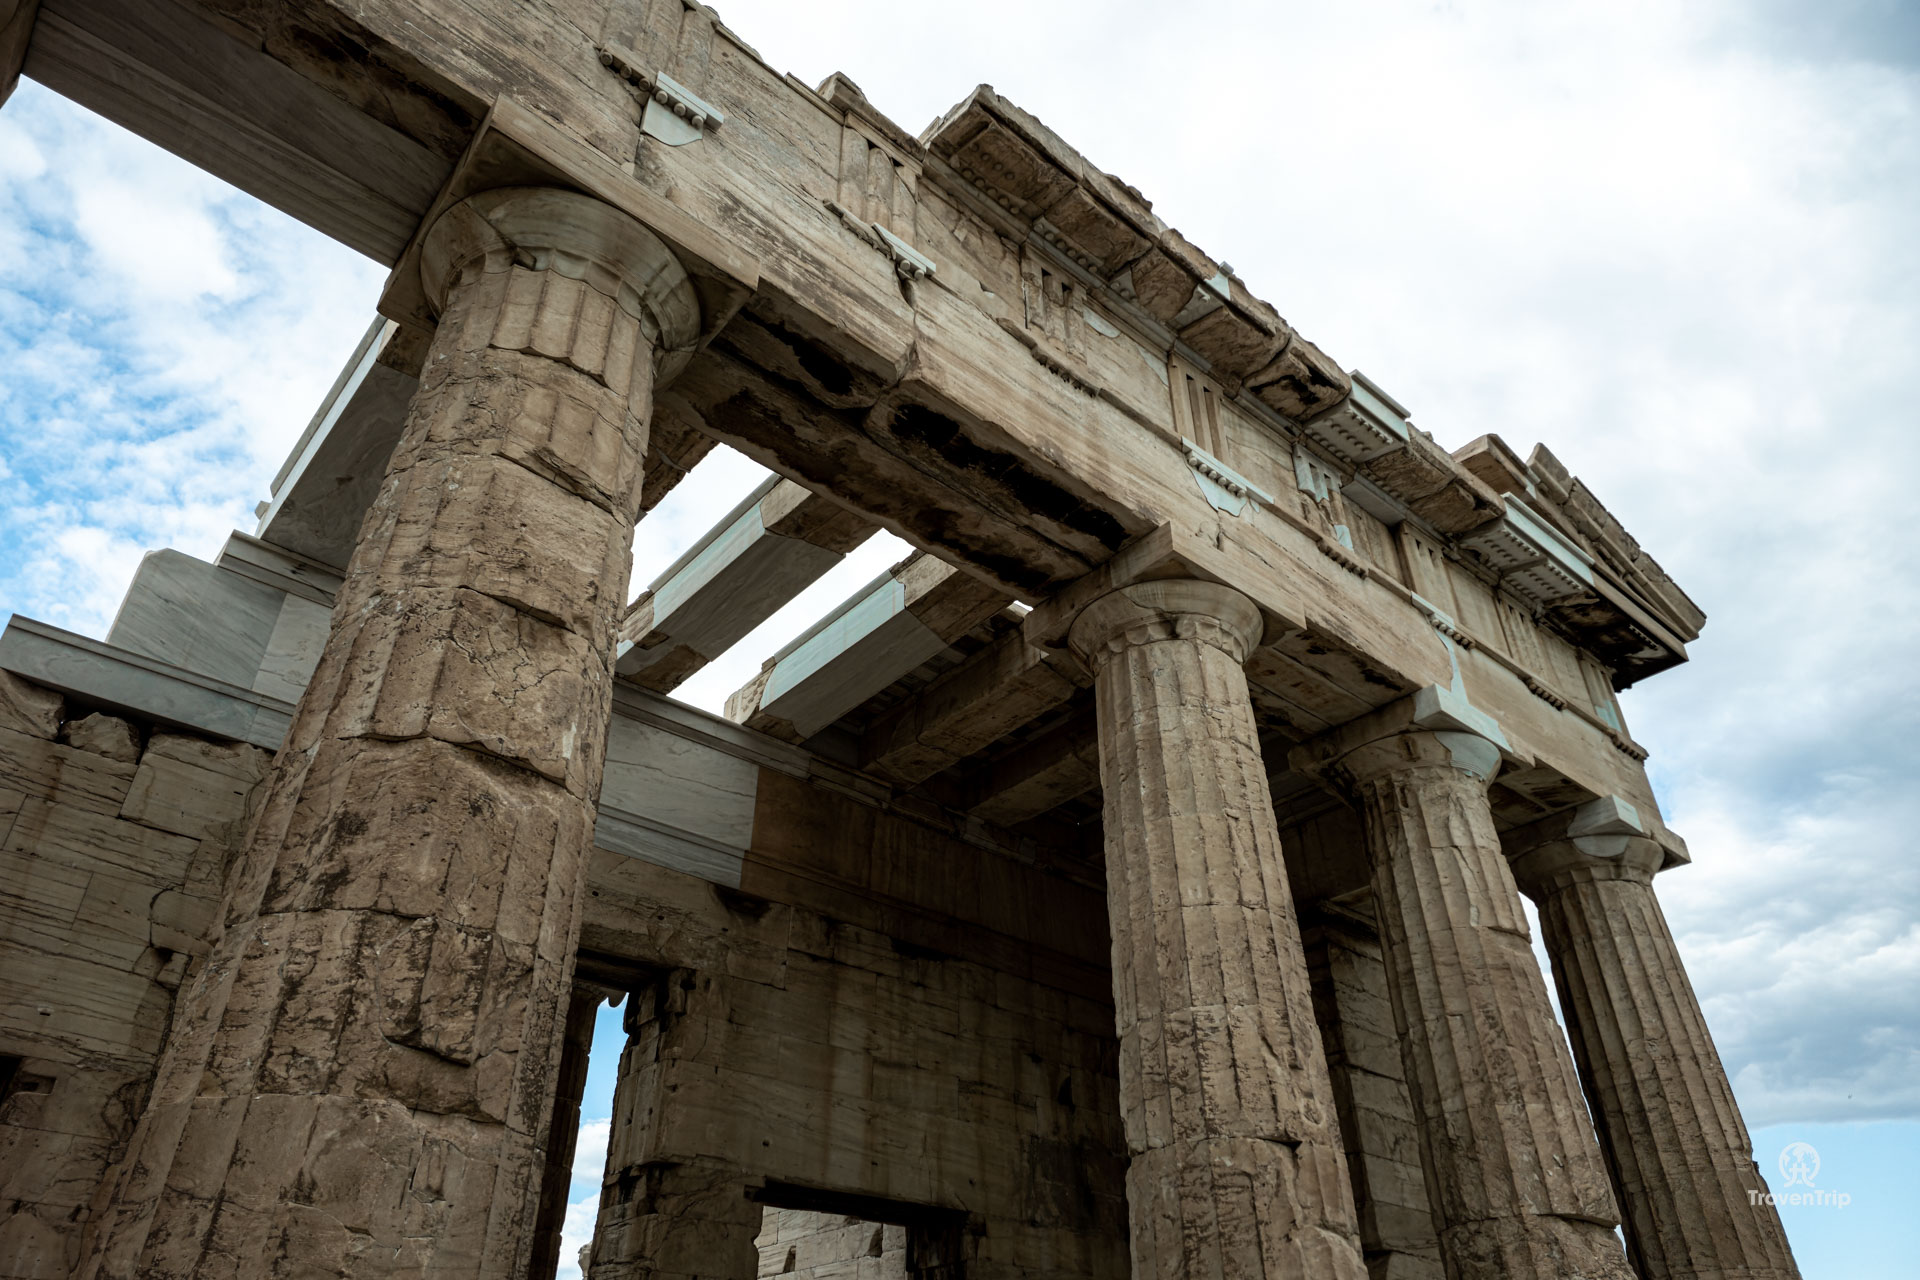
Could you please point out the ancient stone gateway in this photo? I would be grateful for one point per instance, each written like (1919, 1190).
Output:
(1127, 883)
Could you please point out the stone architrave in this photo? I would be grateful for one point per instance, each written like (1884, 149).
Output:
(1681, 1158)
(1514, 1174)
(1235, 1166)
(359, 1079)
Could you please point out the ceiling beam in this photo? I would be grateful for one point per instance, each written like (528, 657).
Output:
(765, 552)
(1005, 686)
(899, 621)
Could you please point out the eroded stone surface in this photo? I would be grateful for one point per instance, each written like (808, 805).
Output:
(27, 708)
(100, 914)
(1680, 1154)
(104, 735)
(1518, 1184)
(361, 1067)
(363, 1070)
(1236, 1168)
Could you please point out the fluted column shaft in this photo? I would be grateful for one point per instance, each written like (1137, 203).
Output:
(1513, 1170)
(360, 1076)
(1679, 1152)
(1236, 1169)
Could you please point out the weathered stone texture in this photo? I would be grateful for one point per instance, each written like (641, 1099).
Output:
(1236, 1166)
(103, 902)
(901, 988)
(823, 1246)
(1380, 1134)
(806, 1051)
(1679, 1152)
(364, 1072)
(27, 708)
(104, 735)
(1517, 1184)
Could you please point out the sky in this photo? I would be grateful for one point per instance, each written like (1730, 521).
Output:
(1680, 243)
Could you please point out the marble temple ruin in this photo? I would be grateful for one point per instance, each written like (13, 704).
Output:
(1127, 883)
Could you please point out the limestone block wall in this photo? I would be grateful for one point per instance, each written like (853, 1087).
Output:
(786, 1047)
(114, 839)
(806, 1245)
(1377, 1126)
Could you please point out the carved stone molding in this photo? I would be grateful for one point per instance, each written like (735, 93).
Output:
(908, 262)
(669, 110)
(1165, 609)
(1048, 360)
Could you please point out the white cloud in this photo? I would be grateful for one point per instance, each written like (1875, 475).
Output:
(589, 1166)
(590, 1155)
(165, 339)
(576, 1231)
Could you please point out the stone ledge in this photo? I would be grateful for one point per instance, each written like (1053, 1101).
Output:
(128, 683)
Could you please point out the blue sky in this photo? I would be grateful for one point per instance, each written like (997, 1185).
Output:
(1676, 242)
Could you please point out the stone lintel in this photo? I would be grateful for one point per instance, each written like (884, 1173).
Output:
(1474, 740)
(1057, 765)
(1167, 552)
(998, 690)
(134, 684)
(1605, 830)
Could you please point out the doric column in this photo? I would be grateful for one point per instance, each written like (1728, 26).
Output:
(1681, 1158)
(1236, 1170)
(664, 1214)
(1514, 1174)
(359, 1079)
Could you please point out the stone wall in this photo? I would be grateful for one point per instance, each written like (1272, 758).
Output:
(114, 840)
(1377, 1127)
(805, 1245)
(782, 1048)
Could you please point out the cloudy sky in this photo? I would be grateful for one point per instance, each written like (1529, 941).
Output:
(1678, 242)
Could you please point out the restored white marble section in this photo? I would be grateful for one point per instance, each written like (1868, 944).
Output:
(197, 616)
(682, 804)
(293, 650)
(848, 657)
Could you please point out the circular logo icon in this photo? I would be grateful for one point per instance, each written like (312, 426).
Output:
(1799, 1164)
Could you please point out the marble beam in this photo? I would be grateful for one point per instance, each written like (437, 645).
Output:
(900, 620)
(760, 556)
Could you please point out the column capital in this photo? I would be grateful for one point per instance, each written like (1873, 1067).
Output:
(1603, 839)
(1433, 727)
(572, 235)
(1166, 609)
